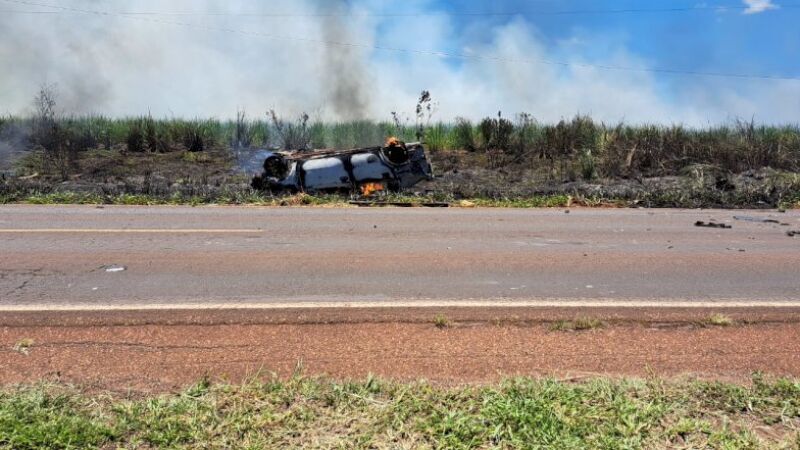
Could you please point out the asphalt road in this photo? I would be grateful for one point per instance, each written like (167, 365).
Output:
(97, 257)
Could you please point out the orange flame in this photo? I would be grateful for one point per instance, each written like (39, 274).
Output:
(367, 189)
(393, 142)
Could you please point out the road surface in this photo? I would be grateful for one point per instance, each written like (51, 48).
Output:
(153, 298)
(119, 257)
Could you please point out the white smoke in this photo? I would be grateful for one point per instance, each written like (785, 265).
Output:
(758, 6)
(211, 65)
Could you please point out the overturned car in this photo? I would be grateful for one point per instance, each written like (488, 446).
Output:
(394, 166)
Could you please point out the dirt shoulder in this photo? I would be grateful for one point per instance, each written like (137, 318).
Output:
(449, 346)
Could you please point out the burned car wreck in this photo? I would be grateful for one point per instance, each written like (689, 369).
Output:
(393, 167)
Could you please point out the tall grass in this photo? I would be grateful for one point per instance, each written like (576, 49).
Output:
(597, 149)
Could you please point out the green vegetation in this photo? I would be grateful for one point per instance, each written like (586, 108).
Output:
(496, 162)
(255, 198)
(441, 321)
(318, 413)
(719, 320)
(247, 196)
(579, 324)
(579, 144)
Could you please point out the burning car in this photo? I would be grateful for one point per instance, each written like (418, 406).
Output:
(394, 166)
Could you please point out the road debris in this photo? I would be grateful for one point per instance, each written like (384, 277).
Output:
(755, 219)
(115, 268)
(793, 233)
(23, 346)
(700, 223)
(412, 204)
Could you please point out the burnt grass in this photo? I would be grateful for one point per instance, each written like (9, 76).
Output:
(463, 177)
(212, 176)
(146, 161)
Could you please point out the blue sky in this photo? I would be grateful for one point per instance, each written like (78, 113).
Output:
(721, 37)
(716, 39)
(329, 58)
(748, 37)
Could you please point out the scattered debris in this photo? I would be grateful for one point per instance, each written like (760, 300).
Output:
(700, 223)
(23, 346)
(755, 219)
(30, 177)
(369, 203)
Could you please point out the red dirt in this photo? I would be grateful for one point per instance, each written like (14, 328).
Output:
(163, 357)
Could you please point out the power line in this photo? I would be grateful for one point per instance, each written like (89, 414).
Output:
(440, 54)
(7, 11)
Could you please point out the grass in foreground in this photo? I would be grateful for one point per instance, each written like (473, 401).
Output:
(318, 413)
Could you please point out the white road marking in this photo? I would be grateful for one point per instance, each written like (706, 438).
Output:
(124, 230)
(409, 304)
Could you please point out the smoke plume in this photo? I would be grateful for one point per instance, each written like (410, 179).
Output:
(345, 76)
(210, 58)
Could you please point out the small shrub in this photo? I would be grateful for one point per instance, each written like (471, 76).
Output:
(719, 320)
(23, 346)
(441, 321)
(587, 323)
(463, 135)
(579, 324)
(437, 138)
(293, 135)
(193, 139)
(425, 110)
(587, 165)
(496, 133)
(156, 143)
(134, 143)
(59, 145)
(526, 134)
